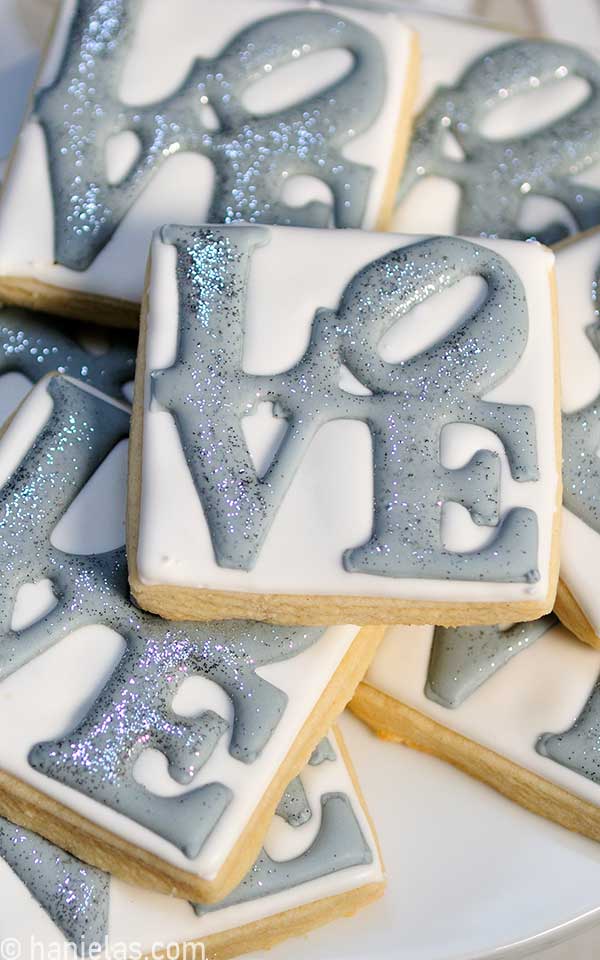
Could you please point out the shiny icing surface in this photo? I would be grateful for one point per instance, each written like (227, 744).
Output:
(332, 852)
(406, 409)
(73, 894)
(521, 711)
(463, 658)
(34, 345)
(99, 758)
(133, 134)
(577, 270)
(213, 331)
(505, 141)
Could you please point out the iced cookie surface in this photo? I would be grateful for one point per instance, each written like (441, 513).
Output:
(147, 113)
(319, 861)
(515, 706)
(577, 272)
(505, 138)
(154, 749)
(329, 422)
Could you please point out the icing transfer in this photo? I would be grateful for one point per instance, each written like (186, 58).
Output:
(30, 346)
(410, 402)
(497, 176)
(463, 658)
(581, 443)
(253, 156)
(74, 895)
(134, 710)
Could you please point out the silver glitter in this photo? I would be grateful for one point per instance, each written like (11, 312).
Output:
(496, 176)
(208, 393)
(463, 658)
(253, 156)
(134, 710)
(74, 895)
(34, 345)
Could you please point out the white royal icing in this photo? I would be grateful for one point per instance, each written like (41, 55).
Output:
(49, 695)
(328, 506)
(180, 193)
(140, 918)
(541, 690)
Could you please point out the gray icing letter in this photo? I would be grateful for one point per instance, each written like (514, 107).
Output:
(134, 710)
(340, 844)
(208, 393)
(577, 747)
(252, 155)
(581, 443)
(496, 176)
(293, 806)
(74, 895)
(34, 347)
(463, 658)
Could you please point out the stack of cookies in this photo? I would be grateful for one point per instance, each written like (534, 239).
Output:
(338, 478)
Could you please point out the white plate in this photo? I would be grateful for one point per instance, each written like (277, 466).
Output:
(471, 875)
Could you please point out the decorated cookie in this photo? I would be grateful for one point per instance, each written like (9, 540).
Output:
(271, 111)
(578, 274)
(156, 750)
(32, 345)
(516, 706)
(319, 861)
(506, 138)
(335, 424)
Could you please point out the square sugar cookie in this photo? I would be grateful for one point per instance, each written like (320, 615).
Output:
(320, 861)
(516, 706)
(157, 751)
(577, 274)
(334, 424)
(505, 140)
(148, 112)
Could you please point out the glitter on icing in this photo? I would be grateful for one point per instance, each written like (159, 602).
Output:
(496, 176)
(293, 806)
(208, 394)
(253, 157)
(134, 710)
(34, 347)
(74, 895)
(463, 658)
(578, 748)
(581, 446)
(339, 844)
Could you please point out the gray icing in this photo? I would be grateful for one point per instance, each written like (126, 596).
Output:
(34, 345)
(252, 156)
(339, 845)
(496, 176)
(578, 748)
(134, 710)
(293, 806)
(74, 895)
(463, 658)
(322, 752)
(208, 394)
(581, 443)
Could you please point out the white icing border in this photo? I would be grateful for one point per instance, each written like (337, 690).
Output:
(77, 667)
(328, 505)
(541, 690)
(179, 192)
